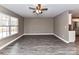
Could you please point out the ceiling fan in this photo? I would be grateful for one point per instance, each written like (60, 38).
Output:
(38, 9)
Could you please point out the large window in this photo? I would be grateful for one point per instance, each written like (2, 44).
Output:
(14, 25)
(8, 25)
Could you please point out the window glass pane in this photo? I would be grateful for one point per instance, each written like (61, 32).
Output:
(3, 32)
(14, 25)
(14, 30)
(0, 19)
(0, 22)
(4, 19)
(5, 22)
(14, 21)
(7, 31)
(0, 32)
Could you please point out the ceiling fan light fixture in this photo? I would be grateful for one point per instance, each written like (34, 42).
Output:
(38, 9)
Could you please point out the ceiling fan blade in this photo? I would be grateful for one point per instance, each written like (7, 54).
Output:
(44, 9)
(31, 8)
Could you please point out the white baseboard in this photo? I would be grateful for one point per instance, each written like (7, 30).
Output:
(46, 34)
(31, 34)
(10, 42)
(38, 34)
(61, 38)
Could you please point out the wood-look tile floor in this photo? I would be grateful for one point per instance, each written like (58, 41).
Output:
(40, 45)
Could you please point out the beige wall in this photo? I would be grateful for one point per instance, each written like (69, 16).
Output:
(38, 25)
(58, 25)
(21, 26)
(61, 25)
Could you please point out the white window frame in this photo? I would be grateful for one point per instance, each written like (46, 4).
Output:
(14, 26)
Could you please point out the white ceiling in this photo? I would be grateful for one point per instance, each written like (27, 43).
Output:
(53, 9)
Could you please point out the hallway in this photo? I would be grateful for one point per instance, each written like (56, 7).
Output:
(40, 45)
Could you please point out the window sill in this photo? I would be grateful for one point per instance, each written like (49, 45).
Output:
(9, 36)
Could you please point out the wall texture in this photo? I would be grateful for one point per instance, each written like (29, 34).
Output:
(61, 25)
(38, 25)
(21, 26)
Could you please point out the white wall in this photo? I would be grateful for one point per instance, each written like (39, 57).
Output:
(38, 25)
(61, 26)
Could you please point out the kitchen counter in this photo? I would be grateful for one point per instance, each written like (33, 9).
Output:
(71, 36)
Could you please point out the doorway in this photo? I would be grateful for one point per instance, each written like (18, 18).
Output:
(75, 23)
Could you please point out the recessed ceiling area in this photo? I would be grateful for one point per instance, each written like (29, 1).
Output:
(53, 9)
